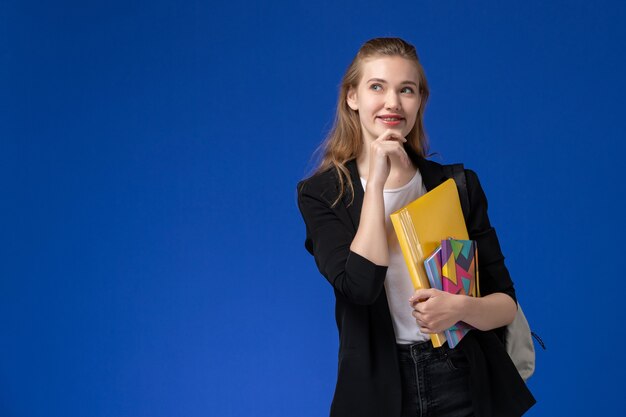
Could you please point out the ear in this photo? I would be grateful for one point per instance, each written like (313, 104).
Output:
(351, 99)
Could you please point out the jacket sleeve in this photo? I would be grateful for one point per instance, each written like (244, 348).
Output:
(493, 274)
(328, 239)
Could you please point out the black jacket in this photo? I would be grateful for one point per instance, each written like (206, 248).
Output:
(368, 380)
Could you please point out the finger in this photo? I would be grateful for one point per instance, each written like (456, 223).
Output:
(389, 135)
(421, 323)
(400, 154)
(422, 317)
(388, 146)
(385, 136)
(394, 147)
(395, 137)
(420, 308)
(422, 295)
(425, 330)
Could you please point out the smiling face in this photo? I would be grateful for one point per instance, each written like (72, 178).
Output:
(387, 96)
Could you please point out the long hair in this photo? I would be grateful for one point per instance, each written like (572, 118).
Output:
(344, 141)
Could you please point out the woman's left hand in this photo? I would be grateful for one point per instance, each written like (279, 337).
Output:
(435, 310)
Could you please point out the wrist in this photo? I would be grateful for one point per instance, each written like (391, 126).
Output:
(464, 306)
(374, 185)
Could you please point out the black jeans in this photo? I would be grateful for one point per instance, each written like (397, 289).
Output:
(435, 382)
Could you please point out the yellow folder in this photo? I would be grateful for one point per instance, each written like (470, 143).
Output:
(422, 225)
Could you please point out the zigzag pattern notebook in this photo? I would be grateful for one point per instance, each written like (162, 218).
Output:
(453, 267)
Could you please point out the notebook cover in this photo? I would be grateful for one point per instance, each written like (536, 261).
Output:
(432, 264)
(459, 274)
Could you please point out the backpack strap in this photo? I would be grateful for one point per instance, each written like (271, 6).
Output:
(457, 172)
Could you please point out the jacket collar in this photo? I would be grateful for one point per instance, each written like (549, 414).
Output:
(432, 172)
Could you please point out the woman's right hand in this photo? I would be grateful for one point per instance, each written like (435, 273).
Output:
(370, 240)
(387, 147)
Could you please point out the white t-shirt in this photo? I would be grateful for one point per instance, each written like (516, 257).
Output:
(398, 284)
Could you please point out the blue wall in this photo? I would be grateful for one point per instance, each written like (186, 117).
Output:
(152, 259)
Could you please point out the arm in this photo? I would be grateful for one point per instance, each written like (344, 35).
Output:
(370, 240)
(355, 264)
(489, 312)
(436, 311)
(329, 235)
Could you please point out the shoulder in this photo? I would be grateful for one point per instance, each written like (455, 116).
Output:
(471, 176)
(319, 184)
(324, 185)
(427, 165)
(318, 181)
(474, 188)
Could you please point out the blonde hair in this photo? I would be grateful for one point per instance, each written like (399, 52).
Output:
(344, 141)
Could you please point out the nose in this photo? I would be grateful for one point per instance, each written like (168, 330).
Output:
(392, 101)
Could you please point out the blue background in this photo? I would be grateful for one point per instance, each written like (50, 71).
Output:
(152, 259)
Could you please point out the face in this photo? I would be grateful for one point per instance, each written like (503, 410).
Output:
(387, 96)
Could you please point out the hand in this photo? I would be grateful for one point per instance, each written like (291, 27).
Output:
(386, 146)
(436, 311)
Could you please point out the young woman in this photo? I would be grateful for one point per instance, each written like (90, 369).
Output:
(374, 163)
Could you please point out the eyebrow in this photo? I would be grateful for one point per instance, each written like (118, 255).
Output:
(380, 80)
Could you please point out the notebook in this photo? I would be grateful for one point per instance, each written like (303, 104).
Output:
(453, 267)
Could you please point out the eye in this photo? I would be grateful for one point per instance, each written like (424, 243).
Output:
(407, 90)
(376, 87)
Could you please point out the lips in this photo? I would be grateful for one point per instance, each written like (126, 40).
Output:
(390, 119)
